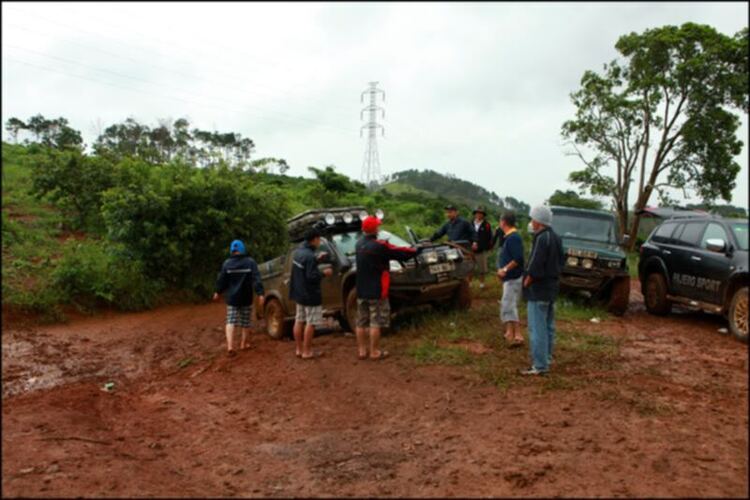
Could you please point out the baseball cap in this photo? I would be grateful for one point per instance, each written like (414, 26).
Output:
(237, 246)
(370, 224)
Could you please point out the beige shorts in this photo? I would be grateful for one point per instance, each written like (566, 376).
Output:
(311, 315)
(480, 267)
(374, 313)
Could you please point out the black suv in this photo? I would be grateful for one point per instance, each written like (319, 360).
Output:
(700, 263)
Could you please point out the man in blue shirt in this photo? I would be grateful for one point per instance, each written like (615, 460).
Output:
(510, 272)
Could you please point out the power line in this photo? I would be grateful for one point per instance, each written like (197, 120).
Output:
(130, 89)
(151, 50)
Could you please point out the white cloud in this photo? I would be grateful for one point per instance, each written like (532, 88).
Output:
(479, 90)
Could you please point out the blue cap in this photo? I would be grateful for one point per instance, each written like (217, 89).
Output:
(237, 246)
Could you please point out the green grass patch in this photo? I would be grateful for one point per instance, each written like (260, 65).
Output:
(428, 352)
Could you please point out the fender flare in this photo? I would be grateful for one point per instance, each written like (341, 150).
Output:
(655, 263)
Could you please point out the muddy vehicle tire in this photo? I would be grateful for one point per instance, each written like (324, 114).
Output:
(348, 317)
(738, 314)
(462, 297)
(276, 325)
(619, 296)
(655, 295)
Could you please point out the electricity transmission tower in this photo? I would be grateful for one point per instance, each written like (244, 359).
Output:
(371, 163)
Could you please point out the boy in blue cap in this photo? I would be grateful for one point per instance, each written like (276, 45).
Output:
(239, 276)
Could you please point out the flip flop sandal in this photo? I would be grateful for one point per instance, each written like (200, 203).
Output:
(315, 354)
(382, 355)
(362, 357)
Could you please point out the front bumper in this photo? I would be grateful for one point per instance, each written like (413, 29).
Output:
(591, 280)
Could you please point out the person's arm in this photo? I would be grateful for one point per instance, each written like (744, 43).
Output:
(312, 273)
(535, 269)
(257, 281)
(440, 232)
(398, 253)
(221, 282)
(515, 250)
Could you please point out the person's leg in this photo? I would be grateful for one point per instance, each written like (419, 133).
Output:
(538, 339)
(307, 343)
(550, 331)
(245, 334)
(298, 329)
(230, 337)
(245, 325)
(482, 268)
(516, 289)
(380, 317)
(363, 322)
(509, 309)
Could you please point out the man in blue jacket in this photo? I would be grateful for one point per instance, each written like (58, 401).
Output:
(304, 289)
(238, 277)
(541, 285)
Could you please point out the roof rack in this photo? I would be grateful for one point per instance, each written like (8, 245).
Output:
(326, 220)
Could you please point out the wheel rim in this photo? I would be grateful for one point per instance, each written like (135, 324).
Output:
(740, 314)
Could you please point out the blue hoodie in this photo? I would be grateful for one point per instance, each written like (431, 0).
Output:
(239, 276)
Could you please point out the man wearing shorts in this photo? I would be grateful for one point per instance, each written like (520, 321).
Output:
(304, 289)
(373, 281)
(483, 241)
(510, 272)
(238, 277)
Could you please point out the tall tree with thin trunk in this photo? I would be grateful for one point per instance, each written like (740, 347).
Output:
(660, 118)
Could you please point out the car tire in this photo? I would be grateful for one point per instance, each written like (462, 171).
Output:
(462, 296)
(738, 313)
(276, 324)
(655, 295)
(348, 318)
(619, 296)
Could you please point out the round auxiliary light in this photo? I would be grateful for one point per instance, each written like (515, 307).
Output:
(363, 215)
(587, 263)
(348, 218)
(330, 219)
(572, 261)
(379, 214)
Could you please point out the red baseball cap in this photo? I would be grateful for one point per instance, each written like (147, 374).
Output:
(370, 224)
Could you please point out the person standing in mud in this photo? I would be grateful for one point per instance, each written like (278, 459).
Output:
(482, 244)
(373, 281)
(239, 277)
(541, 284)
(304, 289)
(510, 273)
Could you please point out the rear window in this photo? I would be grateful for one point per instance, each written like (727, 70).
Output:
(663, 232)
(691, 234)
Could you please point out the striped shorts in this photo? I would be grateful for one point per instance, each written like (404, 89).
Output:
(240, 316)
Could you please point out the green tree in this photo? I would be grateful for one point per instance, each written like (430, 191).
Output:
(14, 126)
(661, 113)
(572, 199)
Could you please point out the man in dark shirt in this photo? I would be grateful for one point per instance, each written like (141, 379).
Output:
(510, 272)
(541, 285)
(373, 283)
(457, 228)
(304, 289)
(482, 243)
(239, 276)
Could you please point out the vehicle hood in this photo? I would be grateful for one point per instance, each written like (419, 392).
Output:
(606, 250)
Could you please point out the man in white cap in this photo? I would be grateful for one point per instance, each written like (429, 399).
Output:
(541, 284)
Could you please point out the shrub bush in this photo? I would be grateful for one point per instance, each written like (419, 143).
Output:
(94, 273)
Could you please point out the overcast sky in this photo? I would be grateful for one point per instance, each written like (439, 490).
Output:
(478, 90)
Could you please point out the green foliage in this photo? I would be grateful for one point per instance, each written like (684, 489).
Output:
(572, 199)
(49, 133)
(93, 273)
(73, 181)
(661, 114)
(179, 220)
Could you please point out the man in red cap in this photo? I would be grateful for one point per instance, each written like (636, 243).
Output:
(373, 282)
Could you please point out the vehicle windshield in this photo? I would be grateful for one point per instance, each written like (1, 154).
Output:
(347, 242)
(584, 228)
(740, 233)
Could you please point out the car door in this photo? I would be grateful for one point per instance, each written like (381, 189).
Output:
(713, 268)
(687, 257)
(330, 286)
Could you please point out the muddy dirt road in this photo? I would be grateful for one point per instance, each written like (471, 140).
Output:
(671, 419)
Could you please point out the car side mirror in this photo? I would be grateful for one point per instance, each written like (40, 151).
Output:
(716, 245)
(324, 258)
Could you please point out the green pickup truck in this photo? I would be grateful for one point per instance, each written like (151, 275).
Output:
(595, 262)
